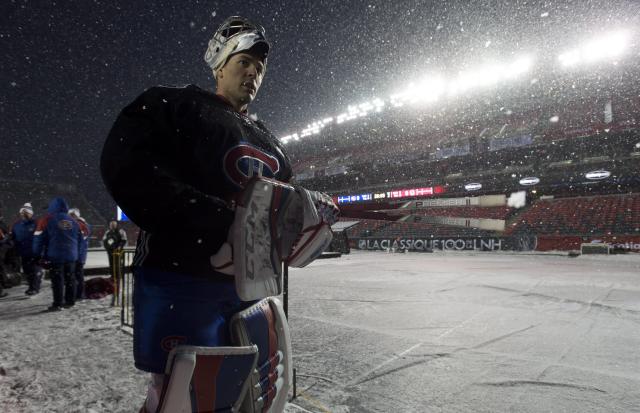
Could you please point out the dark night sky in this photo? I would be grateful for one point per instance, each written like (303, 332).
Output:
(68, 67)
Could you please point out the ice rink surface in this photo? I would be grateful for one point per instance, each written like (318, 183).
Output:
(378, 332)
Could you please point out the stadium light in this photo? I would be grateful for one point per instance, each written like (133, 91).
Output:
(428, 90)
(608, 46)
(489, 75)
(360, 110)
(519, 66)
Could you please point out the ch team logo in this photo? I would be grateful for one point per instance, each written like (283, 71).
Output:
(244, 161)
(65, 225)
(169, 342)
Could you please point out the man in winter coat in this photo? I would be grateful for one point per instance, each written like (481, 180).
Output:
(114, 240)
(58, 239)
(22, 233)
(84, 247)
(4, 245)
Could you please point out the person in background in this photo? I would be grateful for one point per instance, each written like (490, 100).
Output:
(4, 240)
(22, 234)
(114, 240)
(58, 239)
(85, 228)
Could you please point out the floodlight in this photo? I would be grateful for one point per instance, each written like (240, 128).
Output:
(522, 65)
(609, 46)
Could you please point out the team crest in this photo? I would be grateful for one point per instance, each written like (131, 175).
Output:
(170, 342)
(65, 225)
(244, 161)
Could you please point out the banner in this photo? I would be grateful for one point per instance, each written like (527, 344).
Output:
(430, 244)
(496, 144)
(335, 170)
(488, 224)
(483, 201)
(452, 151)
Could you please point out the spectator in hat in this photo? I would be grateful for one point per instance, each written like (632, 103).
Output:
(82, 253)
(114, 240)
(58, 239)
(4, 240)
(22, 234)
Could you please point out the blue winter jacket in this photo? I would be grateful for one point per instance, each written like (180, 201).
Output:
(58, 237)
(23, 236)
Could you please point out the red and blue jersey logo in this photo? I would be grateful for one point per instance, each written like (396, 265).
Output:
(244, 161)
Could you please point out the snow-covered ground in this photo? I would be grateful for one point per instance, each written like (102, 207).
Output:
(377, 332)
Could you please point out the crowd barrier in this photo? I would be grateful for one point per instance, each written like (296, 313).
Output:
(122, 277)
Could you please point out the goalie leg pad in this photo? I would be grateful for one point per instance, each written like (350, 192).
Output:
(259, 233)
(264, 324)
(206, 379)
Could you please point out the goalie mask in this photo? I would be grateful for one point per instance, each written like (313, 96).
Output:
(235, 35)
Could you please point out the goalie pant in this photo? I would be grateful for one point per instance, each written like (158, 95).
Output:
(197, 312)
(180, 309)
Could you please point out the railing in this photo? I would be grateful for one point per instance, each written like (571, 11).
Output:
(122, 276)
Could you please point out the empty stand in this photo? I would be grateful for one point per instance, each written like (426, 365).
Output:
(585, 216)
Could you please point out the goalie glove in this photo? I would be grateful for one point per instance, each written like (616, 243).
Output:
(274, 223)
(319, 212)
(327, 209)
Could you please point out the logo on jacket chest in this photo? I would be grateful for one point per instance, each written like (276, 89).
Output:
(65, 225)
(244, 161)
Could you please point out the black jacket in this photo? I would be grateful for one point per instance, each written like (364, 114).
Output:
(114, 239)
(172, 160)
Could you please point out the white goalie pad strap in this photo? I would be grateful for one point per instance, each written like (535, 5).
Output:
(206, 379)
(316, 234)
(259, 233)
(222, 260)
(265, 325)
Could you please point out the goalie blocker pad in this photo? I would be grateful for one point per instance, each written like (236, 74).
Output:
(275, 224)
(265, 226)
(265, 325)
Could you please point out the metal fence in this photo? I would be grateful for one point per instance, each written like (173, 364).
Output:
(122, 277)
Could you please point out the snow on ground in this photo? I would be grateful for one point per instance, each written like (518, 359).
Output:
(76, 360)
(97, 257)
(377, 332)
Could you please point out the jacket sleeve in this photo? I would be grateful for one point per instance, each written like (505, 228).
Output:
(40, 238)
(12, 231)
(104, 240)
(4, 232)
(123, 238)
(140, 168)
(80, 243)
